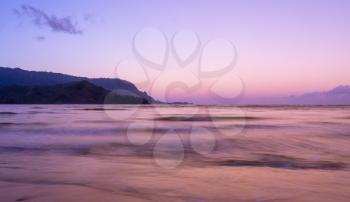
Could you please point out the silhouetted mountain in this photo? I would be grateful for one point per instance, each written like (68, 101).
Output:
(16, 76)
(80, 92)
(340, 90)
(337, 96)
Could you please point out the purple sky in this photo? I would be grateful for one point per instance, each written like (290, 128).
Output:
(284, 47)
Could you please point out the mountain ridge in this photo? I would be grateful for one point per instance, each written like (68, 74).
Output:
(78, 92)
(340, 95)
(17, 76)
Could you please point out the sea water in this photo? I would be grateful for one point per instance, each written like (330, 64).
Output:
(174, 153)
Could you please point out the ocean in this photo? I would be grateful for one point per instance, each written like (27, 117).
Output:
(174, 153)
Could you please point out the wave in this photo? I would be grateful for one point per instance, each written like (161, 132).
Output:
(8, 113)
(23, 124)
(284, 162)
(205, 118)
(103, 109)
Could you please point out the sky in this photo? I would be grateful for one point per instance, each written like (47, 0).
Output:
(284, 47)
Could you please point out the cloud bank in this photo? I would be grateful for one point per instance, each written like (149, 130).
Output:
(42, 19)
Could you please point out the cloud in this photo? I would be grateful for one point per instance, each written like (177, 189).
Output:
(40, 38)
(88, 17)
(42, 19)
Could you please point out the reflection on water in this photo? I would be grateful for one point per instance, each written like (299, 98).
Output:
(177, 153)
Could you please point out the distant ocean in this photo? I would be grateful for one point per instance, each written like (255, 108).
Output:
(174, 153)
